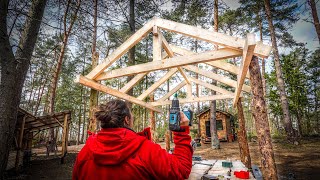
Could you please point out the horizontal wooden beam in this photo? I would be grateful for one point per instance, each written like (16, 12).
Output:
(210, 36)
(216, 77)
(248, 50)
(170, 63)
(94, 85)
(210, 86)
(218, 64)
(175, 89)
(194, 99)
(132, 82)
(154, 86)
(121, 50)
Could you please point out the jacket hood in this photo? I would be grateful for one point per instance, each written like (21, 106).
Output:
(112, 146)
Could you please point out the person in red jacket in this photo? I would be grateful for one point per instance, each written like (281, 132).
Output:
(117, 152)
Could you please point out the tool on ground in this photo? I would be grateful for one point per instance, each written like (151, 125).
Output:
(174, 117)
(242, 174)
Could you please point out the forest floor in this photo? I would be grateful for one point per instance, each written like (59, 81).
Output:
(293, 162)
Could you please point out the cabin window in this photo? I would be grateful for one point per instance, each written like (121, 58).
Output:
(219, 125)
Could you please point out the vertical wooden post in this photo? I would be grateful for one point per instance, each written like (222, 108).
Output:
(20, 142)
(242, 137)
(261, 121)
(64, 138)
(152, 120)
(167, 140)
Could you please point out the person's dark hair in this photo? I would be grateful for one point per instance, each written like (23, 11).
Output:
(112, 114)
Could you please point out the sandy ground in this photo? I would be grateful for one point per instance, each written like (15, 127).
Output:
(293, 162)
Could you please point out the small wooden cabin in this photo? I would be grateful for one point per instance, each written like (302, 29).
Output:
(225, 125)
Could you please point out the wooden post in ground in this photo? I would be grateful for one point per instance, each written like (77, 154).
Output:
(242, 137)
(20, 142)
(167, 140)
(259, 112)
(64, 143)
(152, 120)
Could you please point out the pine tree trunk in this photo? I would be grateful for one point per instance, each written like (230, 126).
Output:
(131, 54)
(281, 87)
(259, 113)
(263, 62)
(313, 6)
(242, 137)
(93, 103)
(215, 144)
(13, 71)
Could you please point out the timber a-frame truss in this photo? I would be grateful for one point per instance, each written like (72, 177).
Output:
(179, 59)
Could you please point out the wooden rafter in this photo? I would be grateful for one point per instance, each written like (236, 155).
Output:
(157, 84)
(175, 89)
(121, 50)
(248, 50)
(218, 64)
(216, 77)
(210, 86)
(170, 63)
(171, 54)
(132, 82)
(210, 36)
(194, 99)
(94, 85)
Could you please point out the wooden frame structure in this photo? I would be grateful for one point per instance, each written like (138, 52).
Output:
(28, 126)
(179, 59)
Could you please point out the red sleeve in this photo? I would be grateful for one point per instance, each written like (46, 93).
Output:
(163, 165)
(75, 170)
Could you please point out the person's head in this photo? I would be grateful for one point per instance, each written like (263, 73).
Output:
(114, 114)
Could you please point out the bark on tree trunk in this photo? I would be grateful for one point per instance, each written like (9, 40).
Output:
(315, 17)
(259, 113)
(242, 137)
(215, 143)
(93, 103)
(131, 54)
(13, 71)
(283, 97)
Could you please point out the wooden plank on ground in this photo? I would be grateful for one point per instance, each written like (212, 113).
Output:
(121, 50)
(170, 63)
(94, 85)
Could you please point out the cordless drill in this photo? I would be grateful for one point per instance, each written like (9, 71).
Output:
(174, 117)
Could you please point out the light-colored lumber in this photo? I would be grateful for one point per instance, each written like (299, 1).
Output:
(189, 90)
(157, 45)
(154, 86)
(210, 86)
(94, 85)
(210, 36)
(64, 136)
(170, 63)
(175, 89)
(218, 64)
(132, 82)
(194, 99)
(21, 133)
(216, 77)
(248, 50)
(171, 54)
(121, 50)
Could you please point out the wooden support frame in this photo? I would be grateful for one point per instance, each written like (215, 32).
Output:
(21, 133)
(94, 85)
(231, 47)
(193, 99)
(170, 63)
(216, 77)
(64, 143)
(248, 50)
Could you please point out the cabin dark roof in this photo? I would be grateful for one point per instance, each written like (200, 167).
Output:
(218, 110)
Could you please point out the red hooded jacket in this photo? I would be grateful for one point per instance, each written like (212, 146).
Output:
(120, 153)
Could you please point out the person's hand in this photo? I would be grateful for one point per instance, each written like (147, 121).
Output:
(184, 121)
